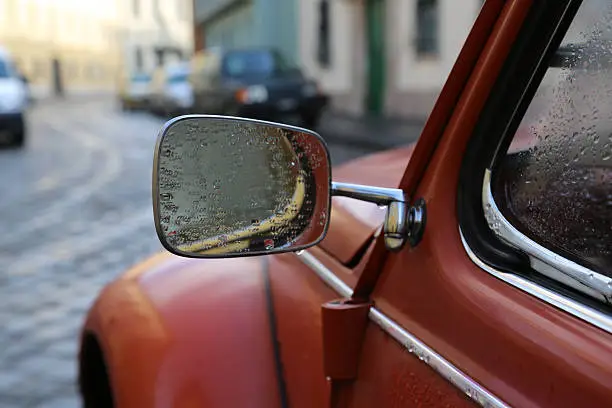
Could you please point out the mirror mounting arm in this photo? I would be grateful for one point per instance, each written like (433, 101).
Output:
(377, 195)
(400, 222)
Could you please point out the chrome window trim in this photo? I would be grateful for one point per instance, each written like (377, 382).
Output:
(588, 314)
(408, 341)
(543, 260)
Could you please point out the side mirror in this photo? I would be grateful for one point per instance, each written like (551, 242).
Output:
(225, 186)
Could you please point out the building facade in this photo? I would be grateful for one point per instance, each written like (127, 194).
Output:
(249, 23)
(383, 56)
(62, 46)
(154, 33)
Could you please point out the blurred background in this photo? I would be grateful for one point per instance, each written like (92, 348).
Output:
(85, 86)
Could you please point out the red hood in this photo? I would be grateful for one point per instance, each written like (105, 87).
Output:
(352, 221)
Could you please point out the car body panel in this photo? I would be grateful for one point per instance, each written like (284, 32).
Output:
(134, 93)
(526, 352)
(409, 382)
(14, 101)
(177, 95)
(182, 332)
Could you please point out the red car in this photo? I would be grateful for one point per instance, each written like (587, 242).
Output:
(474, 267)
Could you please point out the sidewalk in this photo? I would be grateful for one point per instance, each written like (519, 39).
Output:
(370, 132)
(72, 95)
(366, 132)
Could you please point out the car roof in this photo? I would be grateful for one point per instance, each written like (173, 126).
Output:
(177, 68)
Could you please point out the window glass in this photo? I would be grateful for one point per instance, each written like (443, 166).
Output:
(324, 40)
(555, 182)
(427, 27)
(252, 63)
(4, 69)
(178, 78)
(141, 78)
(242, 63)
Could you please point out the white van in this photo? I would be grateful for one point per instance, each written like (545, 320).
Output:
(171, 92)
(13, 101)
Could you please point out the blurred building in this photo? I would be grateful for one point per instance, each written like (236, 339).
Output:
(383, 56)
(154, 33)
(248, 23)
(61, 45)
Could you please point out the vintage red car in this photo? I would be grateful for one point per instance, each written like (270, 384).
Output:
(474, 267)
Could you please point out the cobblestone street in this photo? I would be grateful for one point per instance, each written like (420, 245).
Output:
(76, 212)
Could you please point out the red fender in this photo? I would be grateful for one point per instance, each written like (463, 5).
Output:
(178, 332)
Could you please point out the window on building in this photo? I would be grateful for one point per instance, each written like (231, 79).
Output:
(138, 58)
(427, 27)
(324, 37)
(136, 8)
(159, 57)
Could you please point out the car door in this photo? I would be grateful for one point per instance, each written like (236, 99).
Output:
(503, 297)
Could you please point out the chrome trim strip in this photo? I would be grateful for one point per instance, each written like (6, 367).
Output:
(542, 259)
(372, 194)
(414, 346)
(443, 367)
(566, 304)
(325, 274)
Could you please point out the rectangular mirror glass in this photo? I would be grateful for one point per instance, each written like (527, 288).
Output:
(226, 186)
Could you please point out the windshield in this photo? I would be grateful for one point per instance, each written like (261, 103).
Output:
(253, 63)
(177, 78)
(4, 69)
(140, 78)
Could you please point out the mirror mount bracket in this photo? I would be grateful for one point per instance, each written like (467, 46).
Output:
(400, 221)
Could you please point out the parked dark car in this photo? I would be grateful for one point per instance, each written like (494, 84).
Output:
(255, 83)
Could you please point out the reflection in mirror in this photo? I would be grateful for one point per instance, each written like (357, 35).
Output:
(229, 187)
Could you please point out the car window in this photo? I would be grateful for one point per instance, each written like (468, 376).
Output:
(554, 184)
(247, 63)
(141, 78)
(177, 78)
(4, 69)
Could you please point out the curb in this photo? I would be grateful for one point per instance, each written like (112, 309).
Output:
(368, 133)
